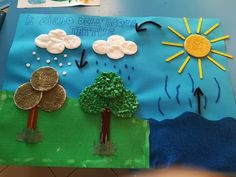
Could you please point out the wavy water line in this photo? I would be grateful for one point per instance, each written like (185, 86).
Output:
(177, 94)
(166, 85)
(159, 107)
(190, 102)
(219, 90)
(192, 81)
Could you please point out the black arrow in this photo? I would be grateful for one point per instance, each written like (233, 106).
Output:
(81, 64)
(198, 93)
(139, 28)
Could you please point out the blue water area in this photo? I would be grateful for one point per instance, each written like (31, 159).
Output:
(194, 141)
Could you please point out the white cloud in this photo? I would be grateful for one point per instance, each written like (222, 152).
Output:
(57, 40)
(116, 47)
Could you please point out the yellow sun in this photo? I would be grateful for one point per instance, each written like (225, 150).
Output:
(197, 46)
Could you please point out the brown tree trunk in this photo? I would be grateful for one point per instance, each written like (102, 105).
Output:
(33, 118)
(105, 126)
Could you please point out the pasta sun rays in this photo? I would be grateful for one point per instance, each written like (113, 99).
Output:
(197, 46)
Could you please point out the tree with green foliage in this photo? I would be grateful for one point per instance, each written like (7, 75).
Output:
(108, 95)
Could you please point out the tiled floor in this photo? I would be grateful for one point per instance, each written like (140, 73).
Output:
(12, 171)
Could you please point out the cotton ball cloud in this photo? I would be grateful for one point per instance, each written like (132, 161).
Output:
(116, 47)
(56, 41)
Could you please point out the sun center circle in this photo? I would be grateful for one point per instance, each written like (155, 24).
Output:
(197, 46)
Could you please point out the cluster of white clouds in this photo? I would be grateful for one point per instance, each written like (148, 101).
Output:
(115, 47)
(56, 41)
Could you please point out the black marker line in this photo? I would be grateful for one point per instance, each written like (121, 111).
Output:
(139, 28)
(81, 64)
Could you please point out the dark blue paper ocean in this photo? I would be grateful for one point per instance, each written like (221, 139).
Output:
(194, 141)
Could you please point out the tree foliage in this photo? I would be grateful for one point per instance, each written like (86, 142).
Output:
(108, 92)
(109, 85)
(90, 102)
(125, 106)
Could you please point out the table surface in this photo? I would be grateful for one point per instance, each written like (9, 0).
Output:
(224, 10)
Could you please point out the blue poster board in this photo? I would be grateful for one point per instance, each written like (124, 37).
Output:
(171, 95)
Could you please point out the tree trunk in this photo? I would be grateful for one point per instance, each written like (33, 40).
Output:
(33, 118)
(105, 126)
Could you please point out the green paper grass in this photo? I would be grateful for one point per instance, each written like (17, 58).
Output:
(69, 138)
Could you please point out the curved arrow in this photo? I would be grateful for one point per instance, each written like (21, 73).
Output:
(139, 28)
(198, 93)
(81, 64)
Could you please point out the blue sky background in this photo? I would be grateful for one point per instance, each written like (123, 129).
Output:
(161, 91)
